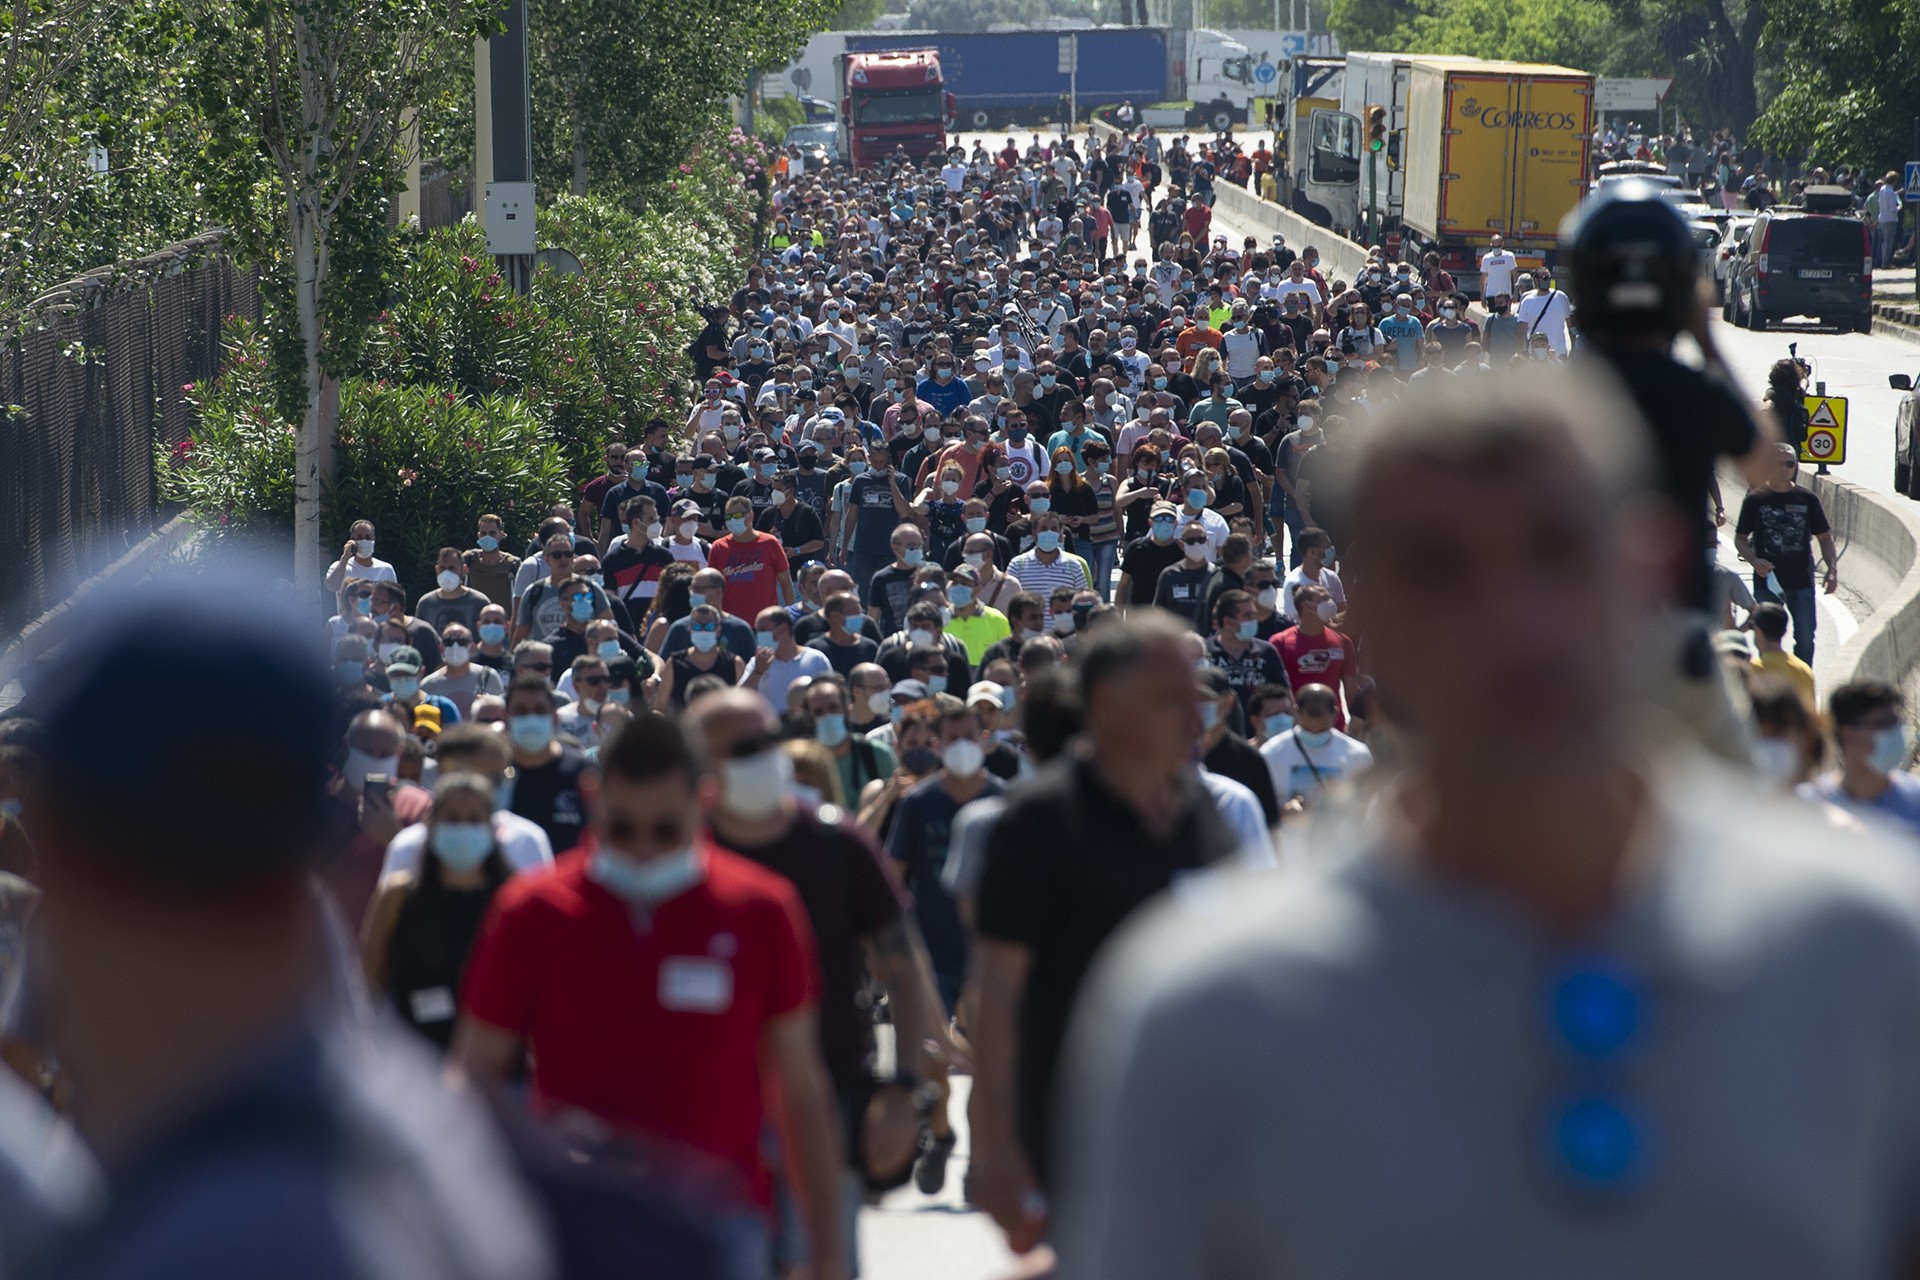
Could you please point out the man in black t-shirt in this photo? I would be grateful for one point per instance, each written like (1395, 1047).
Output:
(1079, 847)
(1775, 534)
(1145, 558)
(547, 773)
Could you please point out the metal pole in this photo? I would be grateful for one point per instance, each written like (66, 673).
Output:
(512, 95)
(1073, 78)
(1908, 199)
(1373, 187)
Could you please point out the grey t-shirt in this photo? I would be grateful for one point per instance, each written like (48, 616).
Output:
(1349, 1071)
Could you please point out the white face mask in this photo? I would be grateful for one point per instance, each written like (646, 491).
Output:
(963, 757)
(880, 703)
(753, 788)
(1268, 597)
(977, 559)
(457, 655)
(359, 765)
(688, 528)
(448, 580)
(1777, 760)
(364, 546)
(653, 530)
(1326, 609)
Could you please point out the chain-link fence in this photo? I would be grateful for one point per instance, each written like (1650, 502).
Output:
(92, 380)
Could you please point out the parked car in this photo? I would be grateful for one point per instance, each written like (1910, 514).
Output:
(818, 143)
(1646, 170)
(1814, 259)
(1732, 242)
(1905, 468)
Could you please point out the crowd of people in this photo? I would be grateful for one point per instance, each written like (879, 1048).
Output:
(1165, 684)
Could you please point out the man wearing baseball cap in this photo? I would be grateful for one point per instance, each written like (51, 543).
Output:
(403, 679)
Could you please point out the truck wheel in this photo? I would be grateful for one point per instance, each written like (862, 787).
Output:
(980, 119)
(1221, 118)
(1756, 318)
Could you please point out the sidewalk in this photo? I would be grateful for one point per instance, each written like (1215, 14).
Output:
(1894, 308)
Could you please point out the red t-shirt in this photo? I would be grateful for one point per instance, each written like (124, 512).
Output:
(653, 1028)
(753, 572)
(1323, 659)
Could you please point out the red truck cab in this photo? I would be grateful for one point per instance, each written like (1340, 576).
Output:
(893, 99)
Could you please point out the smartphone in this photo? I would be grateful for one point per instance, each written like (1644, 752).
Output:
(379, 789)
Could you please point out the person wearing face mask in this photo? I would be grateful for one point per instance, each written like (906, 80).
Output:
(777, 660)
(1269, 714)
(858, 914)
(361, 822)
(579, 721)
(1315, 569)
(460, 679)
(943, 389)
(684, 526)
(422, 924)
(635, 482)
(858, 758)
(1314, 653)
(491, 570)
(1048, 567)
(1872, 739)
(891, 587)
(704, 655)
(754, 564)
(451, 600)
(875, 524)
(405, 695)
(1403, 332)
(1232, 770)
(922, 819)
(1235, 647)
(870, 703)
(796, 524)
(844, 644)
(490, 648)
(903, 654)
(396, 627)
(975, 624)
(548, 774)
(357, 560)
(478, 750)
(1148, 557)
(356, 606)
(650, 887)
(1305, 760)
(1182, 588)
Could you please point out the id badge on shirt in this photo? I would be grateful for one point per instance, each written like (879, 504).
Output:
(432, 1004)
(695, 984)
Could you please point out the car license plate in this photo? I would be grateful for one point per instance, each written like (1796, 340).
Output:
(1809, 274)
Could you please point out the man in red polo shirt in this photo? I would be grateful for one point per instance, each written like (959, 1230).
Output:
(755, 564)
(651, 973)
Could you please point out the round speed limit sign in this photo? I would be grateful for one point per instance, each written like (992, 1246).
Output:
(1822, 444)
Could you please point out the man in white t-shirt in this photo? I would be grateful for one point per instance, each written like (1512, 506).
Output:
(1315, 546)
(1545, 313)
(1497, 266)
(1886, 219)
(954, 174)
(1313, 755)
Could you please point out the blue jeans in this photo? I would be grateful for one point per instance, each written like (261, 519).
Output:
(1801, 607)
(1101, 558)
(1886, 238)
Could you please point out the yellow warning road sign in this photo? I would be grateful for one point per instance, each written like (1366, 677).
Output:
(1826, 441)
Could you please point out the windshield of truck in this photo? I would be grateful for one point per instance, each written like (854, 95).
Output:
(1336, 134)
(1816, 239)
(916, 106)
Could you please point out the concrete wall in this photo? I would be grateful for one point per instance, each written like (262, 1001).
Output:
(1339, 258)
(1879, 540)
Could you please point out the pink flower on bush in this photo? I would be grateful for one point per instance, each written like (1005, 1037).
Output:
(407, 476)
(183, 451)
(468, 265)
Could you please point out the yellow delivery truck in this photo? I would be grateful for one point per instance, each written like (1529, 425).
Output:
(1492, 148)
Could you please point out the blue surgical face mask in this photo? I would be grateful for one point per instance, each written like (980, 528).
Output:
(489, 543)
(695, 599)
(936, 684)
(736, 525)
(1197, 499)
(960, 596)
(1314, 741)
(608, 649)
(853, 622)
(1248, 628)
(1890, 748)
(857, 467)
(1162, 530)
(530, 733)
(1159, 384)
(767, 470)
(646, 883)
(363, 605)
(913, 556)
(1064, 467)
(1040, 506)
(1275, 725)
(1047, 540)
(764, 639)
(462, 846)
(830, 730)
(404, 687)
(347, 671)
(493, 632)
(976, 524)
(581, 610)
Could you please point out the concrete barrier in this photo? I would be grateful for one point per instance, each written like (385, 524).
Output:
(1879, 538)
(1340, 258)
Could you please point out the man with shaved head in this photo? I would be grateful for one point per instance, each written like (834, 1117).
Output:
(857, 909)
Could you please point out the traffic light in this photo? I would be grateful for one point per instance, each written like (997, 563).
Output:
(1376, 128)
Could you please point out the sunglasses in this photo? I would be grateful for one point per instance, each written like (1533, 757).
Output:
(558, 556)
(1595, 1138)
(591, 679)
(667, 832)
(748, 747)
(536, 666)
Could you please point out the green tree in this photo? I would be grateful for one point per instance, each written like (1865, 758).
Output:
(1846, 97)
(303, 102)
(620, 85)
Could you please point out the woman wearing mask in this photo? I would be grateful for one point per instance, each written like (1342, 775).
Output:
(1449, 330)
(916, 741)
(1103, 526)
(1070, 498)
(941, 505)
(422, 924)
(1360, 337)
(706, 657)
(1142, 487)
